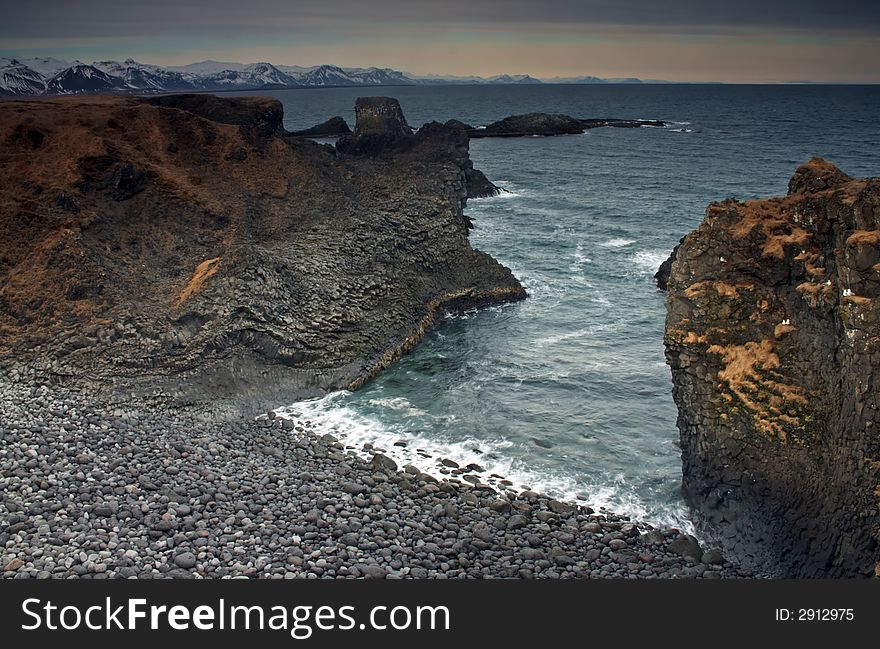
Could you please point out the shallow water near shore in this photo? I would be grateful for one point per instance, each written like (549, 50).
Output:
(568, 392)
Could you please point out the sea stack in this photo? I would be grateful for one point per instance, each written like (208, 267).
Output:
(380, 116)
(773, 337)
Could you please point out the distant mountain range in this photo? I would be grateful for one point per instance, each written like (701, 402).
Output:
(50, 76)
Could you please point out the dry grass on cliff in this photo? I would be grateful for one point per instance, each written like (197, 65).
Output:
(864, 238)
(69, 250)
(750, 371)
(722, 288)
(778, 221)
(202, 273)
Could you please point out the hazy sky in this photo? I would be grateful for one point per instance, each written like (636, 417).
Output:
(685, 40)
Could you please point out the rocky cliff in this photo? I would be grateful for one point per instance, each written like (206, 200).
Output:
(773, 336)
(187, 244)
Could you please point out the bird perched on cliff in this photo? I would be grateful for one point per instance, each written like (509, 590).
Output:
(847, 292)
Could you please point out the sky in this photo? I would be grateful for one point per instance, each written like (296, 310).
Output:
(739, 41)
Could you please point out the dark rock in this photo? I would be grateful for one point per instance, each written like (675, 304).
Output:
(686, 546)
(380, 116)
(382, 463)
(370, 571)
(712, 557)
(531, 124)
(517, 521)
(103, 510)
(380, 127)
(771, 337)
(353, 488)
(483, 532)
(261, 115)
(563, 509)
(185, 560)
(333, 127)
(661, 277)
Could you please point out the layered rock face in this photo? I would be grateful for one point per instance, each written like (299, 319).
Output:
(773, 336)
(188, 245)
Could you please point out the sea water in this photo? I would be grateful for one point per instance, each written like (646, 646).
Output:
(568, 392)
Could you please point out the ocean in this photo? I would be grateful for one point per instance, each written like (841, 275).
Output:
(568, 392)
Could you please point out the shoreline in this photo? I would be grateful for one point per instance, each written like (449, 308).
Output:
(479, 462)
(135, 489)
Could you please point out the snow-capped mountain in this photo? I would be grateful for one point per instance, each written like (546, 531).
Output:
(512, 78)
(18, 79)
(328, 75)
(296, 70)
(47, 66)
(255, 75)
(46, 75)
(204, 68)
(84, 79)
(140, 76)
(55, 76)
(380, 76)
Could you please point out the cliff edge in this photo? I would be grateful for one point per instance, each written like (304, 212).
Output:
(187, 244)
(773, 337)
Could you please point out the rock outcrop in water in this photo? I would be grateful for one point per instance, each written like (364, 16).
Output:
(549, 124)
(333, 127)
(187, 244)
(661, 277)
(773, 336)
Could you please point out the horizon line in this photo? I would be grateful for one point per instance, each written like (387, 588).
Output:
(451, 78)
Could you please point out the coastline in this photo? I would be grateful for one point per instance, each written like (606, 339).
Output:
(147, 488)
(268, 299)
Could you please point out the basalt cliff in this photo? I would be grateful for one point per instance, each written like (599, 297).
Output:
(773, 336)
(188, 244)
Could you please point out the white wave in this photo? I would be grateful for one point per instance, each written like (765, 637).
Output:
(356, 431)
(584, 332)
(401, 404)
(646, 262)
(619, 497)
(579, 260)
(579, 257)
(568, 335)
(508, 191)
(473, 313)
(617, 243)
(600, 299)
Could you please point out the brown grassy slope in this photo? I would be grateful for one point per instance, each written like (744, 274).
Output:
(155, 238)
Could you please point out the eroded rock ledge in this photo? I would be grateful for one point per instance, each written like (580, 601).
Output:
(189, 244)
(773, 336)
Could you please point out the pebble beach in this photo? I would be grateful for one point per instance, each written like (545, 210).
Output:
(133, 487)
